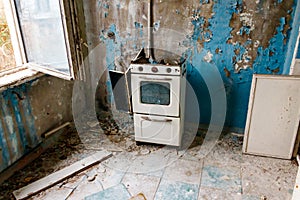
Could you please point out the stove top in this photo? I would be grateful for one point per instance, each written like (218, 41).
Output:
(159, 69)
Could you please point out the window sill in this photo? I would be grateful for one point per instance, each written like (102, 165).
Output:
(17, 76)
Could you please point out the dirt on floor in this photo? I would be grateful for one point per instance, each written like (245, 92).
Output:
(112, 132)
(104, 133)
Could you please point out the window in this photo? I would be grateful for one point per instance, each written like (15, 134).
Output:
(155, 93)
(7, 58)
(43, 36)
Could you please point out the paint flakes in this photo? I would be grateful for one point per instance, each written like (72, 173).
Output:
(156, 25)
(254, 25)
(208, 57)
(10, 124)
(60, 116)
(227, 72)
(247, 20)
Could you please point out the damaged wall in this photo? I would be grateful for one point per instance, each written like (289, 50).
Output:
(29, 110)
(238, 37)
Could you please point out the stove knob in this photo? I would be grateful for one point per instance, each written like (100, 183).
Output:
(154, 69)
(169, 70)
(140, 68)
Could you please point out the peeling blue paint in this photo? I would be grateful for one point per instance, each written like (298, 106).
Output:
(16, 113)
(29, 119)
(245, 30)
(10, 131)
(114, 49)
(214, 39)
(273, 56)
(238, 84)
(4, 149)
(204, 1)
(156, 25)
(17, 130)
(293, 38)
(138, 25)
(106, 5)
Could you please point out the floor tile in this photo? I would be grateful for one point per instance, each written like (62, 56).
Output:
(251, 197)
(225, 178)
(223, 157)
(138, 183)
(153, 162)
(182, 170)
(269, 177)
(208, 193)
(168, 190)
(108, 177)
(117, 192)
(120, 161)
(86, 188)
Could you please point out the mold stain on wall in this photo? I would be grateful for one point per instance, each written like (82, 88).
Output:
(238, 37)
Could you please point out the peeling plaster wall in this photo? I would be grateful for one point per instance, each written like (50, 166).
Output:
(293, 40)
(29, 110)
(238, 37)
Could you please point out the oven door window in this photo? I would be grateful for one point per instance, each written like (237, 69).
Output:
(155, 93)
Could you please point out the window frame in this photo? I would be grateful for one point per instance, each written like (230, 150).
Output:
(68, 10)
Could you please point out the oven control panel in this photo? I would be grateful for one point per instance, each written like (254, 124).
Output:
(174, 70)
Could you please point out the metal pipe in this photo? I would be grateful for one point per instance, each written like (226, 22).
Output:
(149, 28)
(150, 50)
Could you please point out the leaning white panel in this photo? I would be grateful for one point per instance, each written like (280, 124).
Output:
(273, 116)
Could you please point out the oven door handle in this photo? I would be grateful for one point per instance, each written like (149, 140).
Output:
(156, 120)
(155, 79)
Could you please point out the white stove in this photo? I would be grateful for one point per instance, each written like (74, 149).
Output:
(158, 97)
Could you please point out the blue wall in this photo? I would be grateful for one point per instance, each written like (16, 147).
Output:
(238, 83)
(293, 39)
(242, 37)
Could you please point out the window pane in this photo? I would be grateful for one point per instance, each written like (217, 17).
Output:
(7, 58)
(155, 93)
(43, 34)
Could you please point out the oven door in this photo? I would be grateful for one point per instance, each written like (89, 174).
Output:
(157, 129)
(155, 94)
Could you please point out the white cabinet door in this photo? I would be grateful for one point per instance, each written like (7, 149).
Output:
(273, 116)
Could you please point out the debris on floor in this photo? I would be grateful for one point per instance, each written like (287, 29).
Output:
(139, 196)
(149, 171)
(60, 175)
